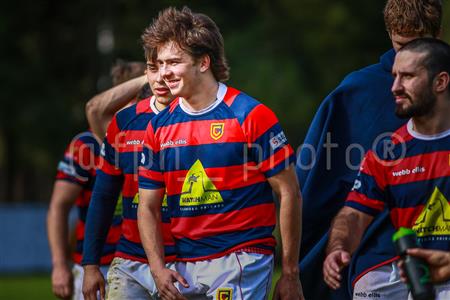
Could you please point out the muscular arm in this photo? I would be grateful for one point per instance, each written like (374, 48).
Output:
(346, 232)
(63, 197)
(101, 108)
(285, 185)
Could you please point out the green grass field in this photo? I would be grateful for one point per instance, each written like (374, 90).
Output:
(37, 287)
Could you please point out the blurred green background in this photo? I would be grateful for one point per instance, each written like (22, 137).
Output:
(56, 55)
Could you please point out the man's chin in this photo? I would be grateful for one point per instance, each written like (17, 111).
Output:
(402, 114)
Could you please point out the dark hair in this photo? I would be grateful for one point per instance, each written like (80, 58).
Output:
(194, 33)
(123, 70)
(437, 54)
(413, 17)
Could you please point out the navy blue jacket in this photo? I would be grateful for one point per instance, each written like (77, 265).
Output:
(351, 118)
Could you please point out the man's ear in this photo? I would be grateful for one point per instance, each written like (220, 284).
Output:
(441, 82)
(205, 63)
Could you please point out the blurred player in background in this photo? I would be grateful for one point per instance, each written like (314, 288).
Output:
(217, 153)
(74, 182)
(358, 111)
(129, 275)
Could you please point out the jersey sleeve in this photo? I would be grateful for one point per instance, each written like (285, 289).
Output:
(79, 161)
(109, 153)
(368, 192)
(150, 171)
(267, 144)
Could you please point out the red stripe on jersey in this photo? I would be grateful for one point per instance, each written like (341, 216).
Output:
(372, 166)
(84, 198)
(174, 104)
(405, 217)
(364, 200)
(223, 178)
(130, 185)
(401, 135)
(113, 133)
(130, 141)
(83, 155)
(199, 133)
(234, 221)
(420, 168)
(107, 168)
(143, 106)
(130, 230)
(104, 260)
(280, 156)
(258, 121)
(230, 96)
(247, 246)
(152, 175)
(79, 230)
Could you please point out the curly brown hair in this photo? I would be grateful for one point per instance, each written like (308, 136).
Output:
(413, 17)
(194, 33)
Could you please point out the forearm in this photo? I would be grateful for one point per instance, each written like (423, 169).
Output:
(101, 108)
(99, 217)
(290, 229)
(347, 229)
(58, 231)
(150, 229)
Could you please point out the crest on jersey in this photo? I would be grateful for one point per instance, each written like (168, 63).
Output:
(225, 294)
(198, 189)
(435, 216)
(216, 130)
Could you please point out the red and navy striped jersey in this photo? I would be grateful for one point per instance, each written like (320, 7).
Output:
(410, 173)
(78, 166)
(214, 165)
(120, 154)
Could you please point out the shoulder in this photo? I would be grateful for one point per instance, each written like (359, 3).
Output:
(243, 106)
(138, 110)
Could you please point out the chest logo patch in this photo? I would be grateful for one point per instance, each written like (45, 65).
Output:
(198, 189)
(216, 130)
(225, 294)
(435, 216)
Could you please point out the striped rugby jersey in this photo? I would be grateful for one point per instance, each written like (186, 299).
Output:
(214, 165)
(413, 180)
(120, 153)
(78, 166)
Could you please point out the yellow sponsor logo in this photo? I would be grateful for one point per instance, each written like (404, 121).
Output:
(435, 216)
(225, 294)
(216, 130)
(118, 211)
(136, 200)
(198, 189)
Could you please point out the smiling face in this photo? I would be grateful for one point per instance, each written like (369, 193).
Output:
(412, 86)
(178, 70)
(159, 88)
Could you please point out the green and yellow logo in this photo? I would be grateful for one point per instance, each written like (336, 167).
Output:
(118, 211)
(198, 189)
(435, 216)
(136, 200)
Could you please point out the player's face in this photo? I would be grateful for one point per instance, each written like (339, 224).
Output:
(412, 86)
(157, 84)
(178, 70)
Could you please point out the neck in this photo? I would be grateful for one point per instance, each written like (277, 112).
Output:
(436, 121)
(159, 106)
(204, 95)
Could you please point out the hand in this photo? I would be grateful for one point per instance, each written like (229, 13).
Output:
(93, 281)
(288, 287)
(164, 279)
(332, 267)
(438, 262)
(62, 281)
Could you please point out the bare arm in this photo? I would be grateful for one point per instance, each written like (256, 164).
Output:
(63, 197)
(346, 232)
(150, 230)
(285, 185)
(101, 108)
